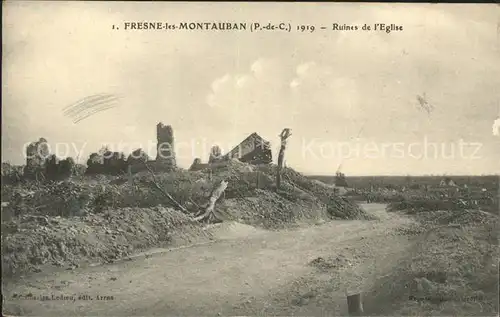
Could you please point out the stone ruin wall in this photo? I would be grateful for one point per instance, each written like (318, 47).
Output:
(165, 145)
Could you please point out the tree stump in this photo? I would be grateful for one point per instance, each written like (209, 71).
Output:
(284, 135)
(209, 213)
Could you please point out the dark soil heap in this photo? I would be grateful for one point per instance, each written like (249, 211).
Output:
(33, 241)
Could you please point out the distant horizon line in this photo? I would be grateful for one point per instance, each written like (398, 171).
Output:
(347, 175)
(405, 175)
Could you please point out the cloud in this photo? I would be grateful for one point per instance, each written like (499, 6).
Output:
(276, 92)
(496, 127)
(317, 86)
(304, 68)
(224, 85)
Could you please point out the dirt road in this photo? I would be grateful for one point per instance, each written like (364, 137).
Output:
(248, 272)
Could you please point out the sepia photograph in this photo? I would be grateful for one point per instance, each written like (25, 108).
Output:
(170, 158)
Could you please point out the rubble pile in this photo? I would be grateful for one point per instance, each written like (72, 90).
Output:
(65, 198)
(453, 260)
(342, 208)
(11, 174)
(34, 241)
(106, 217)
(270, 210)
(419, 205)
(458, 216)
(189, 188)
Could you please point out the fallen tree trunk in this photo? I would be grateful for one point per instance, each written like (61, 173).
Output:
(164, 192)
(208, 214)
(214, 196)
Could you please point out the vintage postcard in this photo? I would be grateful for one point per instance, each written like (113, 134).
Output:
(250, 159)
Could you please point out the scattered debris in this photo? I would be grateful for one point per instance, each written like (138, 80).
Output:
(114, 210)
(334, 262)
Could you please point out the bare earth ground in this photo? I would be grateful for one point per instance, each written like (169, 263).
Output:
(248, 272)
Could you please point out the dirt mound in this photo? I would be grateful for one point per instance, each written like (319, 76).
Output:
(190, 189)
(418, 204)
(452, 270)
(421, 205)
(343, 208)
(271, 210)
(108, 217)
(35, 241)
(464, 217)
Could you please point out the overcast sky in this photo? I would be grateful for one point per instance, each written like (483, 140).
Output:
(350, 97)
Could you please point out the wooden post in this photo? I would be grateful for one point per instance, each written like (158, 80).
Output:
(355, 305)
